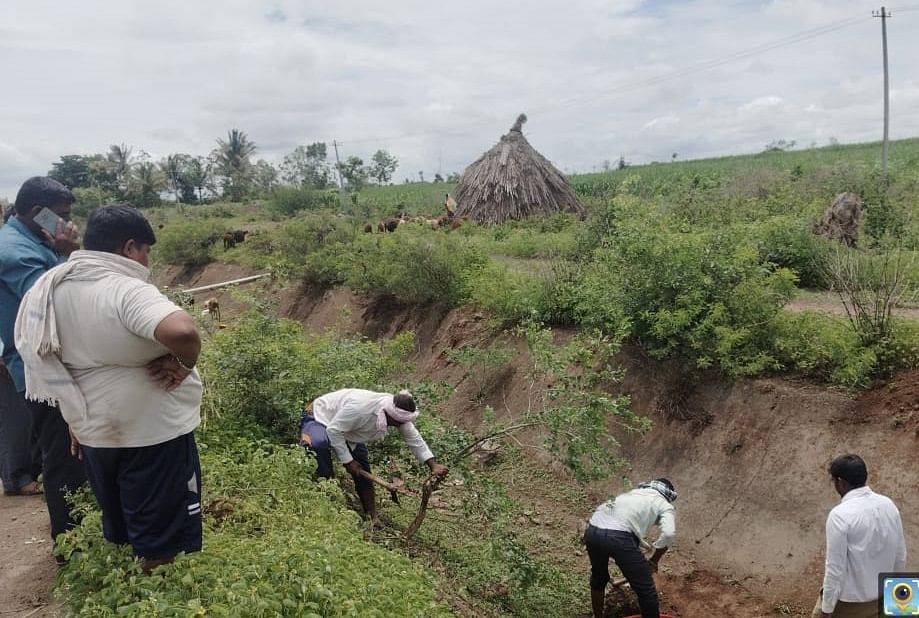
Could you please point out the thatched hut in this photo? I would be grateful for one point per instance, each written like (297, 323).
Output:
(513, 181)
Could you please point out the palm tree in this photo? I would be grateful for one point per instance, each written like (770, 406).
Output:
(233, 162)
(121, 158)
(173, 167)
(145, 184)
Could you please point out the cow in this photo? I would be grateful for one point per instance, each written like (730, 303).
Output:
(390, 225)
(230, 239)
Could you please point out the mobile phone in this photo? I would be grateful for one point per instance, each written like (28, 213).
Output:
(48, 220)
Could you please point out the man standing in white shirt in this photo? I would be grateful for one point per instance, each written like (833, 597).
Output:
(864, 537)
(345, 420)
(617, 530)
(118, 357)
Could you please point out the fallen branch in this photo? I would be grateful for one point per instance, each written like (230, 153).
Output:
(495, 434)
(428, 488)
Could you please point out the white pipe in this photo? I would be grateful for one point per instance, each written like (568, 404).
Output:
(215, 286)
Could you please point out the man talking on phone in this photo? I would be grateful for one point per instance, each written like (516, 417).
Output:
(37, 238)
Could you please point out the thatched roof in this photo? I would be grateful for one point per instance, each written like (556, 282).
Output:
(513, 181)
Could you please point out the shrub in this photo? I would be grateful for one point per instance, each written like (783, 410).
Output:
(266, 369)
(824, 347)
(88, 199)
(290, 200)
(789, 242)
(413, 266)
(705, 296)
(186, 242)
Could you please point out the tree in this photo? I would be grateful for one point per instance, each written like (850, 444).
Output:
(173, 168)
(420, 175)
(232, 158)
(606, 165)
(454, 177)
(145, 183)
(122, 160)
(353, 172)
(780, 145)
(382, 166)
(72, 171)
(195, 178)
(438, 177)
(265, 176)
(307, 166)
(622, 163)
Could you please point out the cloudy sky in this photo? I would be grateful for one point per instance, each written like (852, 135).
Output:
(436, 83)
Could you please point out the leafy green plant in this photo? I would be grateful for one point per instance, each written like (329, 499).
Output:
(481, 364)
(265, 369)
(413, 266)
(186, 242)
(702, 295)
(291, 200)
(276, 544)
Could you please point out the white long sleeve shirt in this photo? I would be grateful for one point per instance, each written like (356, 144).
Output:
(864, 537)
(637, 511)
(350, 415)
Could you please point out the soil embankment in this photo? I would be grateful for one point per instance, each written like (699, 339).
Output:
(749, 457)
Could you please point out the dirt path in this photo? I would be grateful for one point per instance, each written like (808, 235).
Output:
(830, 303)
(27, 569)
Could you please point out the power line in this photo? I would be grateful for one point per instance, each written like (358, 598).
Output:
(626, 87)
(708, 64)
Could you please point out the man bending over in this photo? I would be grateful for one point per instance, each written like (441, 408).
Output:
(345, 420)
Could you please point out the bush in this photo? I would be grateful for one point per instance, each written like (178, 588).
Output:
(413, 266)
(290, 200)
(789, 242)
(186, 242)
(265, 370)
(510, 296)
(824, 347)
(88, 199)
(705, 296)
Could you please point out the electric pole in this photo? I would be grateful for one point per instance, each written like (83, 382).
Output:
(341, 185)
(884, 14)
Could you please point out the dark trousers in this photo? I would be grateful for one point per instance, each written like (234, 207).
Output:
(20, 455)
(61, 471)
(320, 447)
(150, 496)
(624, 549)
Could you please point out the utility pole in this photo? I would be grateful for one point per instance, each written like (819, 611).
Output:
(884, 14)
(341, 185)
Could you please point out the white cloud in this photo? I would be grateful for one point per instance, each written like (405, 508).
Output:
(441, 81)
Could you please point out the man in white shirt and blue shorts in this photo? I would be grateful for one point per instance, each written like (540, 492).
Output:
(345, 420)
(617, 530)
(118, 357)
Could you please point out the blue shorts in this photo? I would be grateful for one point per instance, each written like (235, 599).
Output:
(320, 447)
(150, 495)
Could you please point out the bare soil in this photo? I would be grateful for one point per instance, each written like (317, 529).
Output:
(828, 302)
(27, 569)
